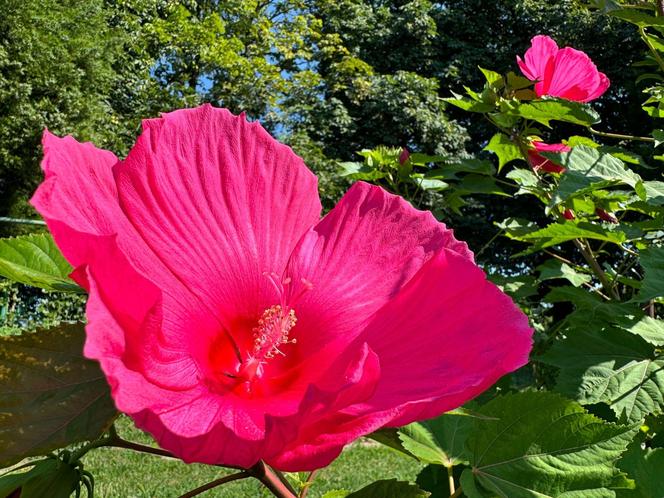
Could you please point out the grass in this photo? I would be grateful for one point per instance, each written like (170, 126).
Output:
(126, 474)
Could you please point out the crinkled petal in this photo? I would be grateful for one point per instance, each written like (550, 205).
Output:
(79, 201)
(537, 58)
(357, 259)
(219, 201)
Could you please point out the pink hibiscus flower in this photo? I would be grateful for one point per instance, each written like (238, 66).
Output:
(234, 324)
(539, 162)
(566, 73)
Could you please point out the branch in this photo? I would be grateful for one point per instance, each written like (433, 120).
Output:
(620, 135)
(270, 480)
(597, 269)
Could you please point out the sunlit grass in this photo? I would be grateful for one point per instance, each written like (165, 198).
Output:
(127, 474)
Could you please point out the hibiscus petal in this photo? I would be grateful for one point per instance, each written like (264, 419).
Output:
(575, 76)
(219, 201)
(78, 188)
(449, 335)
(537, 57)
(358, 258)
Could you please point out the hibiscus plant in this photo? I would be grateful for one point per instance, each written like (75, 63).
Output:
(242, 328)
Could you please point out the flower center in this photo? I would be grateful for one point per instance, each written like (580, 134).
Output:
(272, 331)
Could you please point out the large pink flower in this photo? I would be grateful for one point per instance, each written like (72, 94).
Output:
(235, 325)
(566, 73)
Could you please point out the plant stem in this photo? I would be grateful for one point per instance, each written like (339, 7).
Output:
(215, 483)
(620, 135)
(283, 479)
(588, 255)
(118, 442)
(270, 480)
(450, 480)
(457, 493)
(308, 483)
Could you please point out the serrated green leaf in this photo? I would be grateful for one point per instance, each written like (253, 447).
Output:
(506, 150)
(543, 445)
(589, 169)
(650, 329)
(652, 261)
(516, 228)
(389, 488)
(545, 111)
(557, 233)
(557, 269)
(590, 308)
(360, 171)
(645, 467)
(610, 366)
(429, 183)
(50, 395)
(35, 260)
(470, 105)
(526, 179)
(439, 441)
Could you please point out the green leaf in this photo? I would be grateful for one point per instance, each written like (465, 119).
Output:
(360, 171)
(49, 478)
(429, 183)
(638, 17)
(645, 467)
(557, 233)
(518, 287)
(543, 446)
(35, 260)
(610, 366)
(588, 169)
(494, 79)
(504, 148)
(557, 269)
(658, 135)
(654, 192)
(652, 261)
(544, 111)
(440, 440)
(389, 488)
(50, 395)
(526, 179)
(650, 329)
(470, 105)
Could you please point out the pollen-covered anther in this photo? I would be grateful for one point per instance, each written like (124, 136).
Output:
(273, 330)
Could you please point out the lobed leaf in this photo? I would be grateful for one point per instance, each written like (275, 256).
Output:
(543, 445)
(610, 366)
(587, 169)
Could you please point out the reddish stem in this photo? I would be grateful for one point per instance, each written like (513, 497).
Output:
(270, 480)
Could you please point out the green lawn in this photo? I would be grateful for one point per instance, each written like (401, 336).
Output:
(127, 474)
